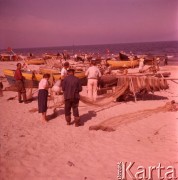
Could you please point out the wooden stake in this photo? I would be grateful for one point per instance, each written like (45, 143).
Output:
(133, 89)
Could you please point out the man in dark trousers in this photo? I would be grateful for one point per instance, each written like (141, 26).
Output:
(71, 87)
(20, 84)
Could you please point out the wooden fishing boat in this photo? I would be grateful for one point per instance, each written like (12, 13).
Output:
(107, 81)
(50, 56)
(35, 61)
(48, 70)
(123, 56)
(43, 70)
(32, 79)
(8, 57)
(123, 64)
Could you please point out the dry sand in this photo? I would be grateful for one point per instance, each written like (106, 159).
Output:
(32, 150)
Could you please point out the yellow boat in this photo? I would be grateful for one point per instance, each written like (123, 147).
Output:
(123, 64)
(35, 61)
(45, 70)
(32, 79)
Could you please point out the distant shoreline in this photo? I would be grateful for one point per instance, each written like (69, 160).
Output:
(161, 48)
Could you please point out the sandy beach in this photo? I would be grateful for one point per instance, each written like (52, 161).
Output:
(32, 150)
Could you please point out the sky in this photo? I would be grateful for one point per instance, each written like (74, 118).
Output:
(45, 23)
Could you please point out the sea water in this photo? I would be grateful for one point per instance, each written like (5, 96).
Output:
(169, 48)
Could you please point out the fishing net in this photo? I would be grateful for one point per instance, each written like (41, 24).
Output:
(107, 98)
(129, 85)
(112, 124)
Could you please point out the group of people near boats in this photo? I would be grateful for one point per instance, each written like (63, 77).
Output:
(69, 84)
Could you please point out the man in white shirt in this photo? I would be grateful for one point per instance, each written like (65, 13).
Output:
(93, 74)
(141, 65)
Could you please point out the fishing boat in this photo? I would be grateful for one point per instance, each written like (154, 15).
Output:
(44, 70)
(56, 74)
(49, 56)
(8, 56)
(78, 69)
(35, 61)
(123, 56)
(123, 64)
(32, 78)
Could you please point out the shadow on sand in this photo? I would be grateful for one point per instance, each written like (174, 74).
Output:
(141, 97)
(55, 114)
(83, 118)
(86, 117)
(146, 97)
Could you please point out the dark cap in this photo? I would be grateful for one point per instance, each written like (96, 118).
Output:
(66, 63)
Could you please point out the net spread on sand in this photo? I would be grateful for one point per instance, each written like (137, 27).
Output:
(112, 124)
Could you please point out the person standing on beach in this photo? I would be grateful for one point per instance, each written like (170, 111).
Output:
(64, 70)
(157, 63)
(165, 60)
(141, 65)
(93, 74)
(71, 87)
(43, 95)
(20, 84)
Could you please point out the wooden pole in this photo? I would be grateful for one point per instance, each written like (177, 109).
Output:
(171, 79)
(174, 81)
(133, 89)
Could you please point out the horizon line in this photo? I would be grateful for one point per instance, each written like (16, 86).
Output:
(89, 44)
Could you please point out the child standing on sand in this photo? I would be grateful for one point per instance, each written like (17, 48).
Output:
(43, 95)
